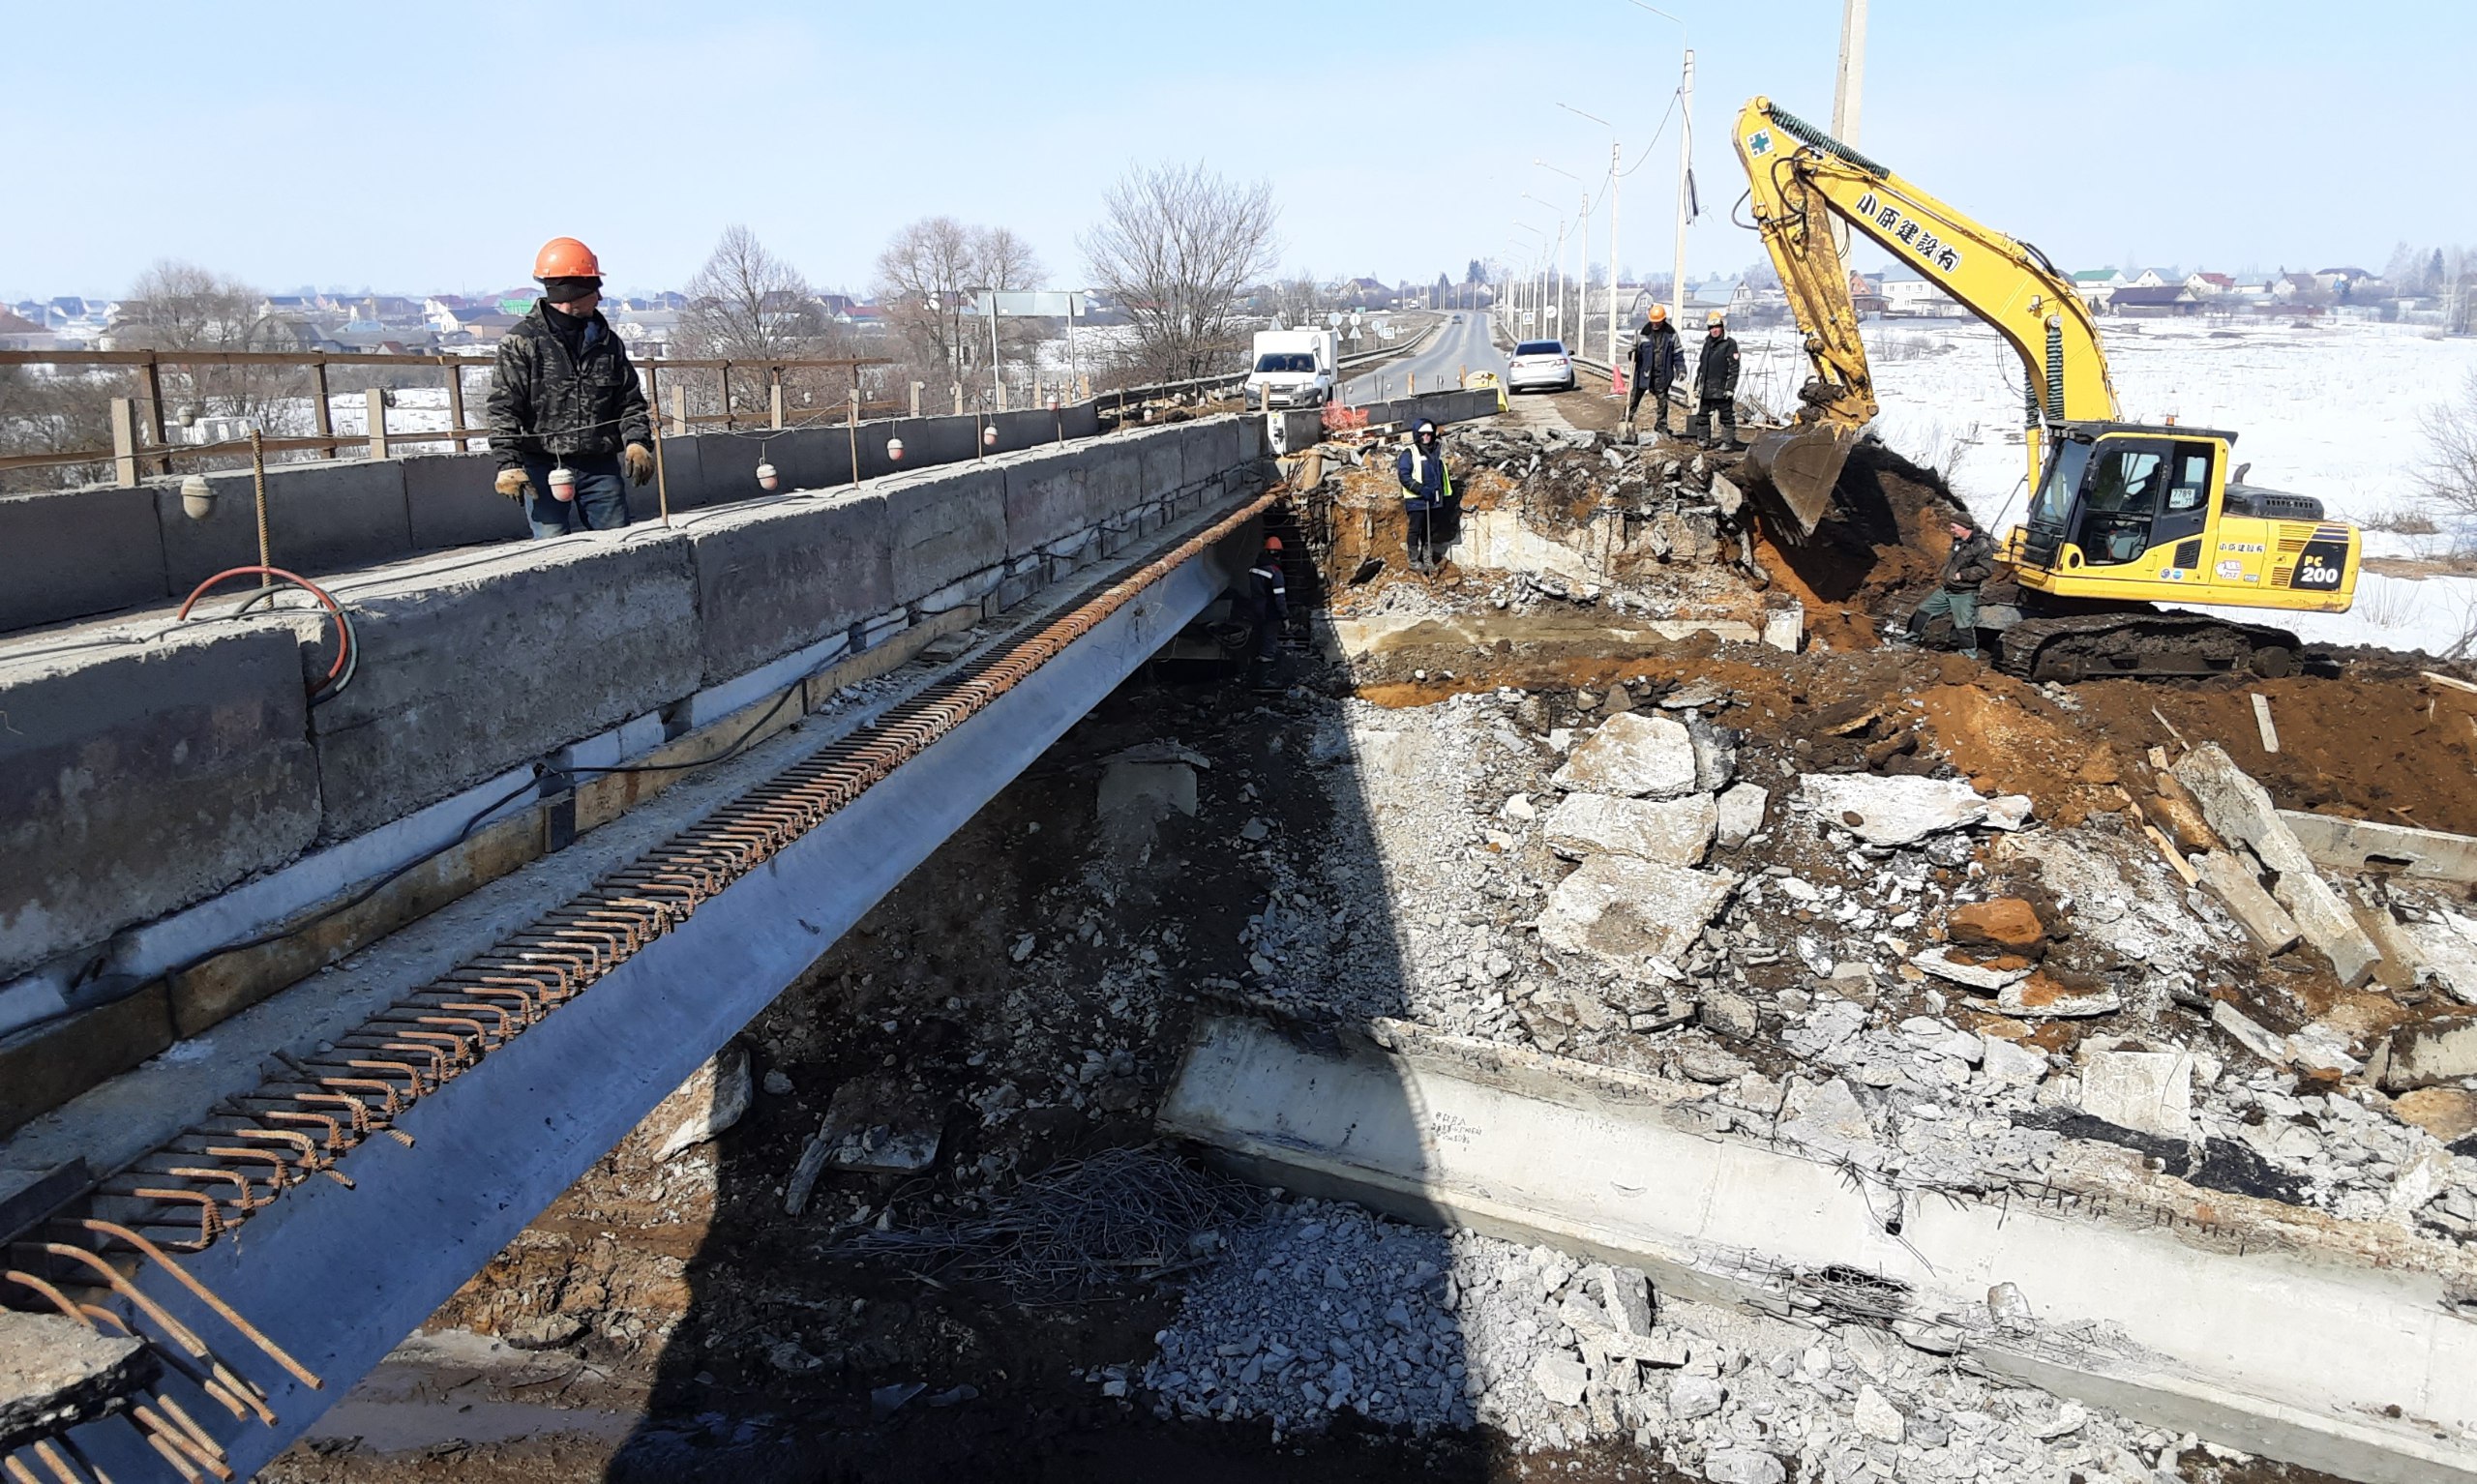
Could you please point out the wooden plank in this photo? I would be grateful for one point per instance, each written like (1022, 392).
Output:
(2453, 681)
(2263, 720)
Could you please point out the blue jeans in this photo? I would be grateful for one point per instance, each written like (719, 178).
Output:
(602, 496)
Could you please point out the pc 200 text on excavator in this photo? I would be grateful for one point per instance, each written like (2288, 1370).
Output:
(2122, 516)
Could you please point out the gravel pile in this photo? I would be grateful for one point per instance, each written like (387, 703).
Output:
(1320, 1308)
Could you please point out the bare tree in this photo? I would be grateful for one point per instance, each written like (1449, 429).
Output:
(55, 413)
(926, 277)
(181, 307)
(747, 305)
(2449, 472)
(1299, 298)
(1174, 246)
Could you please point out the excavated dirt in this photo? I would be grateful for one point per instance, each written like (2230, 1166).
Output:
(1029, 993)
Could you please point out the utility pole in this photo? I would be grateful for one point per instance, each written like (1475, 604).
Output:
(1847, 86)
(1684, 186)
(1613, 162)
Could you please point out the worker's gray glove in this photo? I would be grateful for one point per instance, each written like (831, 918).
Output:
(640, 460)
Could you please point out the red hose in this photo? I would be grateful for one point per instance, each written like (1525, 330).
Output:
(343, 633)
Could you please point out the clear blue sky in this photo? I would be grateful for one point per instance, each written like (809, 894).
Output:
(434, 146)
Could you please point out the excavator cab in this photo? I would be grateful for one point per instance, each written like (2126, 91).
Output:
(2129, 510)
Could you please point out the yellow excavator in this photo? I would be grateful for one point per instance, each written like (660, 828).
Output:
(2122, 516)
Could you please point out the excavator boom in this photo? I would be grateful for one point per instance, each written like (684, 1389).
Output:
(1797, 179)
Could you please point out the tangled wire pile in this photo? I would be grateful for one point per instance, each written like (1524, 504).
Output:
(1081, 1228)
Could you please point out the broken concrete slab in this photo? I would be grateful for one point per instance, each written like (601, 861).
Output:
(56, 1372)
(1902, 811)
(1674, 831)
(1632, 756)
(2150, 1092)
(1623, 910)
(1740, 818)
(1148, 781)
(714, 1098)
(2449, 1114)
(2353, 846)
(1972, 976)
(878, 1125)
(2230, 877)
(2042, 999)
(2268, 1044)
(1828, 1118)
(1590, 1161)
(2439, 1049)
(2240, 810)
(2328, 925)
(2005, 1062)
(2443, 954)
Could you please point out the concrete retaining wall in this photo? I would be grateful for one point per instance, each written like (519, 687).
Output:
(102, 548)
(141, 773)
(148, 765)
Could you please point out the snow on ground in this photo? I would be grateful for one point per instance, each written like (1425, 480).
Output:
(2331, 411)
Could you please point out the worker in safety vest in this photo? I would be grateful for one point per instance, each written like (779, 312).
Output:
(1427, 496)
(566, 415)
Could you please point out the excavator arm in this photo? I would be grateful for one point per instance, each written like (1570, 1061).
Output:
(1798, 176)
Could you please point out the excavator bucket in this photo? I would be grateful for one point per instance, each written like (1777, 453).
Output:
(1802, 464)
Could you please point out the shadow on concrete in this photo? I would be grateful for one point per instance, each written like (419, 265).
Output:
(1024, 1001)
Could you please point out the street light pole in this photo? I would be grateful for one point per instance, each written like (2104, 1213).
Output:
(1615, 164)
(1685, 159)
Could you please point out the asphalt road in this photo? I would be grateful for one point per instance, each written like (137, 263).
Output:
(1439, 368)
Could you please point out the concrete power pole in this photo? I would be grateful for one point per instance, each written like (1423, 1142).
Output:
(1685, 186)
(1847, 86)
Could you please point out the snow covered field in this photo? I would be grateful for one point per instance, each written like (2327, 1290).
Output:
(2331, 411)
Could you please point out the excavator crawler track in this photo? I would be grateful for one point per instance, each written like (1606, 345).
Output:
(2097, 646)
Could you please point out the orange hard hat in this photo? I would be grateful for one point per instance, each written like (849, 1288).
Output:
(1659, 313)
(1272, 543)
(565, 257)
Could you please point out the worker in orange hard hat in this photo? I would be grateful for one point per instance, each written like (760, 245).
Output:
(1263, 607)
(1659, 360)
(567, 417)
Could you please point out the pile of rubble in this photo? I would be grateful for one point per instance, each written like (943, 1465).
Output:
(1320, 1308)
(1565, 517)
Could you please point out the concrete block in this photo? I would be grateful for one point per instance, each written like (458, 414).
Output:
(1632, 757)
(1052, 494)
(95, 549)
(470, 665)
(2353, 846)
(46, 1068)
(1162, 456)
(2442, 1048)
(1215, 447)
(1674, 831)
(2150, 1092)
(2231, 879)
(449, 502)
(2328, 925)
(944, 524)
(2239, 809)
(321, 517)
(1623, 910)
(139, 773)
(777, 576)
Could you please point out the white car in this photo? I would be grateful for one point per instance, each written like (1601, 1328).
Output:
(1540, 365)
